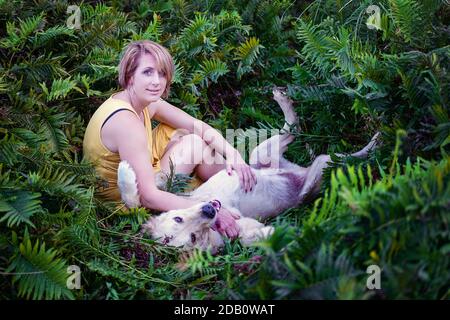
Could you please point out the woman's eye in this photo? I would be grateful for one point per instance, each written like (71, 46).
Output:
(178, 219)
(148, 72)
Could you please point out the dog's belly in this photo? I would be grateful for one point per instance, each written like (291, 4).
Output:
(272, 194)
(221, 186)
(275, 191)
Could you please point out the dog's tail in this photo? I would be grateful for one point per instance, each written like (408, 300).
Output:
(126, 180)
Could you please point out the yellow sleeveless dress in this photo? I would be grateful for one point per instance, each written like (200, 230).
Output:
(106, 162)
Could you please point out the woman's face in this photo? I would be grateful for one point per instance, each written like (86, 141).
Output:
(148, 83)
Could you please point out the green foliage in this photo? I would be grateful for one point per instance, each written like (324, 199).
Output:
(38, 272)
(360, 222)
(247, 53)
(347, 81)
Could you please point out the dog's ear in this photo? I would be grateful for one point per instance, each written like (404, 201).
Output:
(149, 226)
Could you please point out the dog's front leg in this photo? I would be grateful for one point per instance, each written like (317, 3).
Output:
(252, 231)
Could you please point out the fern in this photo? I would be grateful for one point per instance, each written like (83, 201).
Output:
(18, 36)
(153, 31)
(246, 54)
(212, 70)
(8, 150)
(406, 17)
(40, 69)
(52, 33)
(198, 36)
(59, 183)
(51, 129)
(316, 46)
(38, 272)
(113, 271)
(226, 22)
(346, 81)
(60, 88)
(19, 206)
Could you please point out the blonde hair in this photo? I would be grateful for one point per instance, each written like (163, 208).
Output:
(130, 60)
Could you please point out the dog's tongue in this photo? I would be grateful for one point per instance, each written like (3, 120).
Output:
(216, 204)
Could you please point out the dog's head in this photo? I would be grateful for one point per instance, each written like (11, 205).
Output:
(187, 228)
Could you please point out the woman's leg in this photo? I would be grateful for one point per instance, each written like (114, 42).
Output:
(190, 153)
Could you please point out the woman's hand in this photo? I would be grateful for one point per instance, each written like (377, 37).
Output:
(247, 177)
(226, 223)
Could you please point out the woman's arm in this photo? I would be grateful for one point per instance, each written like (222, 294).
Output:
(177, 118)
(127, 136)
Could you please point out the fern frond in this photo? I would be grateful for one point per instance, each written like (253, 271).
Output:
(80, 239)
(212, 69)
(17, 36)
(227, 21)
(61, 184)
(40, 69)
(51, 125)
(316, 48)
(19, 206)
(61, 88)
(113, 271)
(198, 36)
(8, 150)
(247, 53)
(39, 272)
(153, 32)
(406, 16)
(179, 73)
(52, 33)
(91, 13)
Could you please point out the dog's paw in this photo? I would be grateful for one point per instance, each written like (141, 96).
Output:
(374, 143)
(266, 232)
(248, 237)
(283, 100)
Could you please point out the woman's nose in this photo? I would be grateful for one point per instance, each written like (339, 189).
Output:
(155, 80)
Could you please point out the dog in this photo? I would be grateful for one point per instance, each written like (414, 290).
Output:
(280, 185)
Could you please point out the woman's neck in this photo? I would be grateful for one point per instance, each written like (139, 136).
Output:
(132, 100)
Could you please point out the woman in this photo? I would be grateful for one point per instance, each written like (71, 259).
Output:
(120, 129)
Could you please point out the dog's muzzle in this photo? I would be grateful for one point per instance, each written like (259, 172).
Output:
(210, 209)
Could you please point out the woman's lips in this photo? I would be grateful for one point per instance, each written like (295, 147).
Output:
(154, 91)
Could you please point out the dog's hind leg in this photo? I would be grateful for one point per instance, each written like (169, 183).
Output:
(269, 153)
(314, 174)
(286, 104)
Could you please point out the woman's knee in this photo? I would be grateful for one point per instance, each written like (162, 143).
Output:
(201, 152)
(189, 149)
(193, 142)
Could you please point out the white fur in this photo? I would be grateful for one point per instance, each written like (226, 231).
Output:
(277, 189)
(126, 180)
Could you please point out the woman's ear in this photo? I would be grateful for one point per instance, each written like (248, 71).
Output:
(130, 81)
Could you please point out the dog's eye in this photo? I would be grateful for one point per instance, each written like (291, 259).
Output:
(178, 219)
(193, 237)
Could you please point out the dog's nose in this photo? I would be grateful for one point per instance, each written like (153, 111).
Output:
(208, 211)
